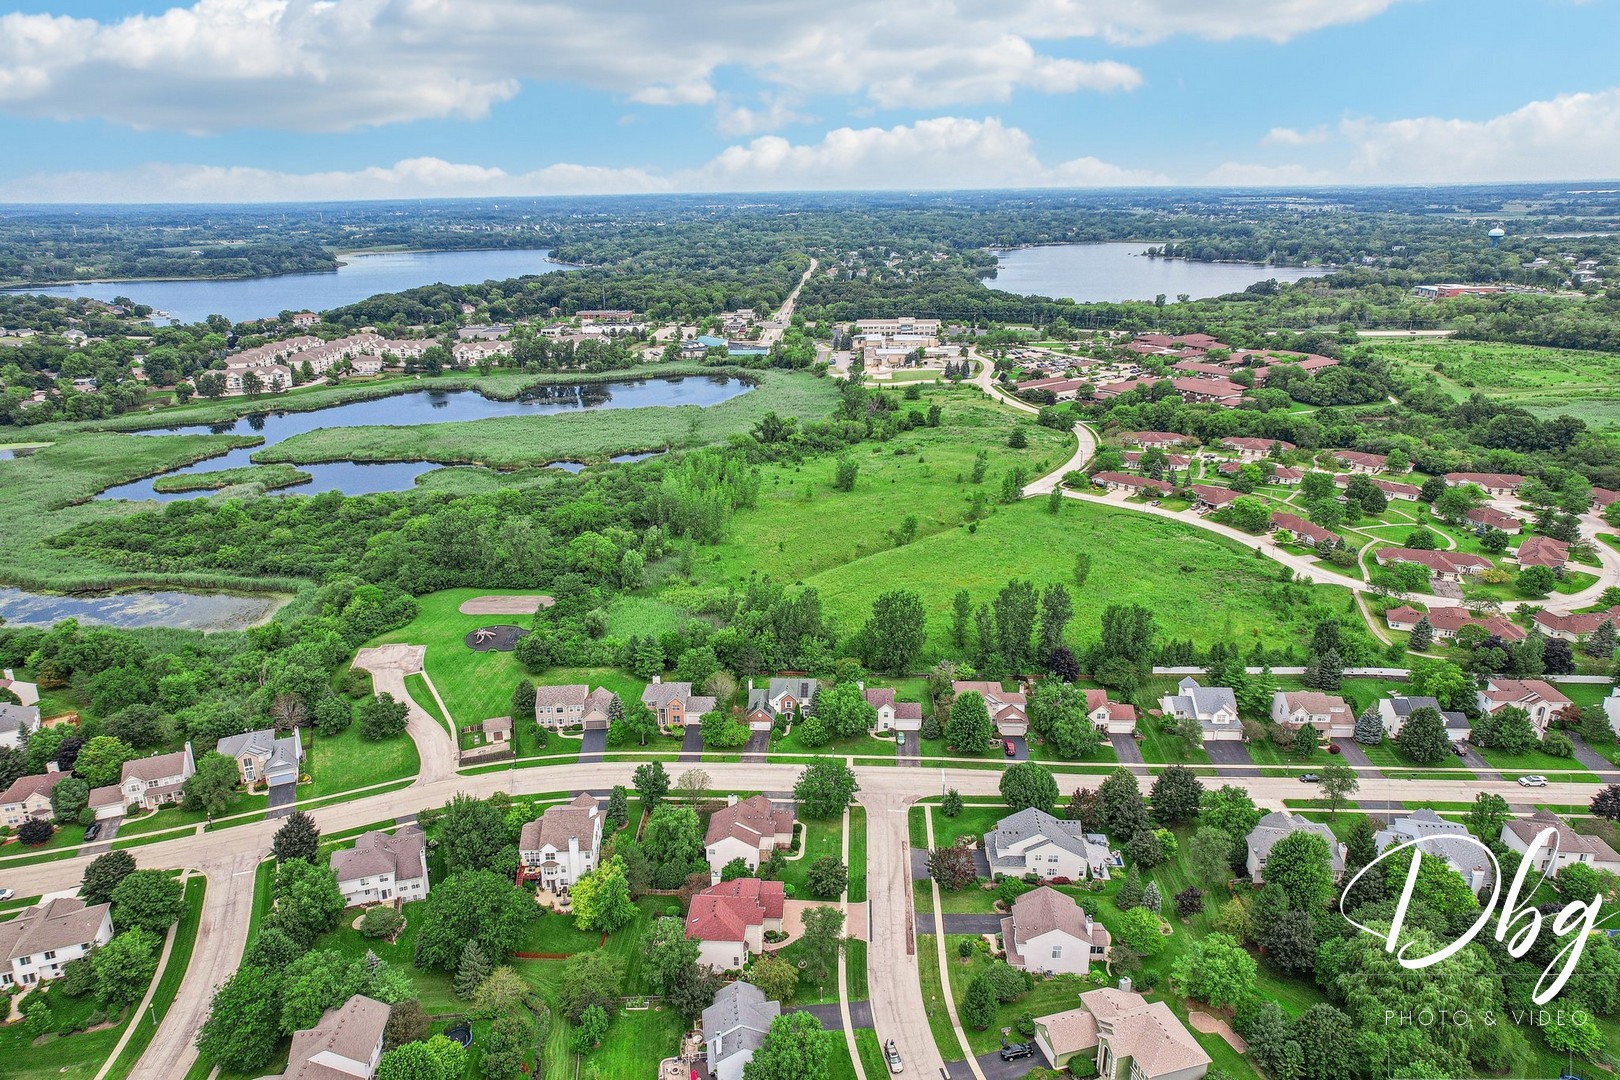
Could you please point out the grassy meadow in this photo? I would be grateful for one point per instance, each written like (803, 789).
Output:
(1546, 381)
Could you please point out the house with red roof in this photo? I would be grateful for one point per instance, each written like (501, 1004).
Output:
(1162, 439)
(1483, 518)
(1111, 717)
(1535, 696)
(729, 921)
(1357, 461)
(1213, 498)
(1492, 483)
(1303, 531)
(1446, 621)
(1250, 449)
(1223, 392)
(1443, 565)
(1575, 625)
(1394, 489)
(1006, 708)
(1115, 481)
(893, 715)
(1542, 551)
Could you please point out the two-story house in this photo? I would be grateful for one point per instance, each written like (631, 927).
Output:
(783, 696)
(1111, 717)
(675, 704)
(1048, 933)
(1007, 708)
(150, 782)
(1329, 714)
(1572, 847)
(1126, 1037)
(262, 758)
(42, 940)
(1394, 710)
(29, 797)
(383, 867)
(1439, 838)
(347, 1044)
(564, 706)
(893, 715)
(746, 830)
(735, 1026)
(1278, 824)
(1540, 699)
(562, 845)
(1214, 707)
(729, 921)
(1034, 842)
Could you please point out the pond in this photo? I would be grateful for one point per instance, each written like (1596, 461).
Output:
(356, 278)
(1112, 273)
(188, 611)
(424, 407)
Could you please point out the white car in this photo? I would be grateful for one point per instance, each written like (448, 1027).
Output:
(1532, 781)
(6, 894)
(891, 1053)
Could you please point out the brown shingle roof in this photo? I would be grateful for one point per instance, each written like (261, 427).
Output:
(558, 825)
(750, 820)
(35, 784)
(55, 924)
(350, 1031)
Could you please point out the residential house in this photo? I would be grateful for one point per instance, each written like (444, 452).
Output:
(562, 845)
(17, 722)
(675, 703)
(1485, 518)
(1111, 717)
(262, 758)
(1446, 621)
(1278, 824)
(892, 714)
(496, 729)
(1162, 439)
(1213, 498)
(1443, 839)
(1287, 475)
(44, 939)
(1214, 707)
(1139, 485)
(1303, 532)
(1034, 842)
(1223, 392)
(383, 867)
(1329, 714)
(1253, 449)
(1133, 460)
(304, 319)
(1542, 551)
(346, 1045)
(107, 802)
(1048, 933)
(1393, 489)
(735, 1026)
(150, 782)
(1572, 847)
(1006, 708)
(783, 697)
(1394, 710)
(729, 921)
(1536, 697)
(1603, 498)
(1498, 484)
(1125, 1036)
(1442, 565)
(29, 797)
(1357, 461)
(748, 830)
(1575, 625)
(574, 704)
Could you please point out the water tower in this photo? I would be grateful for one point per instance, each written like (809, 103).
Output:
(1496, 235)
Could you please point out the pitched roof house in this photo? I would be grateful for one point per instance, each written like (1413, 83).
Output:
(28, 796)
(729, 920)
(1133, 1038)
(1249, 448)
(898, 715)
(1489, 517)
(1542, 551)
(735, 1026)
(1007, 708)
(574, 703)
(383, 867)
(1213, 498)
(1394, 710)
(1493, 483)
(1357, 461)
(16, 722)
(1116, 481)
(1444, 565)
(1538, 698)
(1573, 847)
(1446, 621)
(745, 830)
(1575, 625)
(41, 941)
(783, 695)
(1214, 707)
(262, 758)
(1048, 932)
(562, 845)
(1033, 841)
(1395, 489)
(1440, 839)
(1222, 392)
(1278, 824)
(1161, 439)
(345, 1045)
(1303, 531)
(1111, 717)
(675, 703)
(149, 782)
(1327, 713)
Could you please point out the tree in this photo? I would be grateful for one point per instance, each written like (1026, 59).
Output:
(381, 922)
(1338, 783)
(506, 1045)
(439, 1058)
(1306, 741)
(472, 834)
(1189, 901)
(795, 1047)
(244, 1021)
(1369, 728)
(1152, 899)
(408, 1022)
(1123, 655)
(969, 729)
(844, 476)
(1575, 1032)
(1211, 855)
(101, 760)
(673, 840)
(1442, 680)
(1138, 930)
(313, 983)
(825, 789)
(1601, 642)
(1027, 784)
(651, 782)
(298, 838)
(1301, 865)
(892, 638)
(666, 953)
(148, 900)
(124, 967)
(618, 808)
(827, 878)
(590, 978)
(1606, 803)
(307, 901)
(523, 701)
(961, 612)
(692, 784)
(1057, 609)
(736, 868)
(951, 804)
(776, 978)
(475, 905)
(471, 971)
(212, 788)
(1215, 969)
(103, 874)
(952, 867)
(1290, 943)
(601, 898)
(381, 717)
(1422, 635)
(1423, 736)
(1536, 581)
(1120, 809)
(68, 798)
(979, 1003)
(1231, 810)
(823, 940)
(845, 710)
(1176, 794)
(1512, 732)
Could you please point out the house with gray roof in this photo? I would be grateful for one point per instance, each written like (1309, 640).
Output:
(735, 1026)
(1034, 842)
(41, 941)
(675, 704)
(383, 867)
(1441, 839)
(564, 706)
(262, 758)
(1278, 824)
(562, 845)
(1394, 710)
(17, 722)
(783, 696)
(346, 1044)
(1214, 707)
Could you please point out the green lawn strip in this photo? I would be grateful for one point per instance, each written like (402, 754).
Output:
(855, 969)
(168, 981)
(1536, 761)
(1584, 694)
(816, 840)
(417, 686)
(1387, 755)
(857, 855)
(871, 1051)
(636, 1042)
(939, 1021)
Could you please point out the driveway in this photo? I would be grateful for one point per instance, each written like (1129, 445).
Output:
(754, 750)
(1128, 752)
(1594, 760)
(910, 752)
(860, 1015)
(691, 744)
(1020, 747)
(1229, 752)
(103, 842)
(995, 1069)
(960, 924)
(593, 745)
(282, 799)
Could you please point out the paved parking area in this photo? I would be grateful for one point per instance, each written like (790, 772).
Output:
(1020, 748)
(754, 750)
(282, 799)
(593, 745)
(995, 1069)
(1228, 752)
(692, 744)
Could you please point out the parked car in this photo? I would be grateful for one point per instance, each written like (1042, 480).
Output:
(1014, 1051)
(6, 894)
(1309, 778)
(1012, 751)
(891, 1054)
(1532, 781)
(93, 831)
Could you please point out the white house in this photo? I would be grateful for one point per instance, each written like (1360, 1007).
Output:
(1327, 713)
(1049, 933)
(1572, 847)
(562, 845)
(1440, 839)
(1394, 710)
(745, 830)
(17, 722)
(347, 1042)
(42, 940)
(574, 704)
(149, 782)
(1214, 707)
(729, 920)
(383, 867)
(891, 714)
(1111, 717)
(29, 797)
(1540, 699)
(735, 1026)
(1278, 824)
(1034, 842)
(1611, 709)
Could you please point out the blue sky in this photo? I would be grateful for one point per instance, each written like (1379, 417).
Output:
(260, 99)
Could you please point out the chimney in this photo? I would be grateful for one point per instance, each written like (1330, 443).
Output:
(657, 679)
(731, 800)
(1125, 983)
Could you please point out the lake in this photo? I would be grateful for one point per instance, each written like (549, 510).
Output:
(359, 277)
(1112, 273)
(424, 407)
(188, 611)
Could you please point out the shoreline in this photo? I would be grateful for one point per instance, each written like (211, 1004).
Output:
(1169, 258)
(272, 602)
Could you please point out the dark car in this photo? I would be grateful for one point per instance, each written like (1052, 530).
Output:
(1309, 778)
(1014, 1051)
(1012, 751)
(92, 832)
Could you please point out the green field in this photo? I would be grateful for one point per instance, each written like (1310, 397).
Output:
(1545, 381)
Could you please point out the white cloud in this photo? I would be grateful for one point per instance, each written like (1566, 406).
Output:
(1285, 136)
(1239, 174)
(328, 65)
(731, 119)
(944, 152)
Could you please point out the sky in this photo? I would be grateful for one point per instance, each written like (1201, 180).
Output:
(284, 100)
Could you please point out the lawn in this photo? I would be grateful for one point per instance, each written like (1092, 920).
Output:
(817, 840)
(939, 1021)
(1546, 381)
(343, 762)
(416, 685)
(1388, 756)
(1536, 761)
(857, 857)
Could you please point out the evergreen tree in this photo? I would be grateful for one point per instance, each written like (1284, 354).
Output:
(1600, 642)
(979, 1004)
(1130, 890)
(298, 838)
(1422, 635)
(472, 971)
(618, 808)
(1369, 728)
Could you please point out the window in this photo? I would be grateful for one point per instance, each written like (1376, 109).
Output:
(50, 954)
(1057, 952)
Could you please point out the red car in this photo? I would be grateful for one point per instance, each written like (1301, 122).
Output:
(1012, 751)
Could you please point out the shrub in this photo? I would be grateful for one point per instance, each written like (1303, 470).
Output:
(380, 922)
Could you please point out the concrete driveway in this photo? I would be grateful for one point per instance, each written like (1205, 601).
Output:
(593, 745)
(1594, 760)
